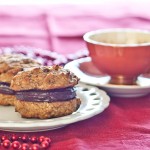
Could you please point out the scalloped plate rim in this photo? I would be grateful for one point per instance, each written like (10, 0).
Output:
(42, 125)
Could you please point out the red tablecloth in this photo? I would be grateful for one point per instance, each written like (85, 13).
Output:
(125, 124)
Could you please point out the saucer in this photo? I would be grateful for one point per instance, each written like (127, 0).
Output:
(89, 74)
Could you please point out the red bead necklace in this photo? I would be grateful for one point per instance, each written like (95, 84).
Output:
(25, 142)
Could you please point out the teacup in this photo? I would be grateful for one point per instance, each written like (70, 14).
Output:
(124, 54)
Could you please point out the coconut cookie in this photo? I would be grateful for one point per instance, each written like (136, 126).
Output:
(10, 65)
(45, 92)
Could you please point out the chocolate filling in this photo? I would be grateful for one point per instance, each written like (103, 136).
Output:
(5, 89)
(63, 94)
(5, 83)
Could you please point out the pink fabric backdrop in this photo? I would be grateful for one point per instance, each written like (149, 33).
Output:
(61, 27)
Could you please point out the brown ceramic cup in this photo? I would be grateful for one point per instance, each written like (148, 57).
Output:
(124, 54)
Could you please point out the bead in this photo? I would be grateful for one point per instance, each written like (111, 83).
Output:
(4, 137)
(14, 137)
(41, 139)
(25, 146)
(16, 145)
(48, 140)
(6, 143)
(45, 144)
(35, 147)
(25, 138)
(33, 139)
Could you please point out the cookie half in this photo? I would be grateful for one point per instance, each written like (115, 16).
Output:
(45, 92)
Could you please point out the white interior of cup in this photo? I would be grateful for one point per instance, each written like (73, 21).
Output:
(118, 37)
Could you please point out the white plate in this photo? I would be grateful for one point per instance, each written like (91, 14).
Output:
(93, 102)
(98, 79)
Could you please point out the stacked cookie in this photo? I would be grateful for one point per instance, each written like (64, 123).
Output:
(10, 65)
(42, 92)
